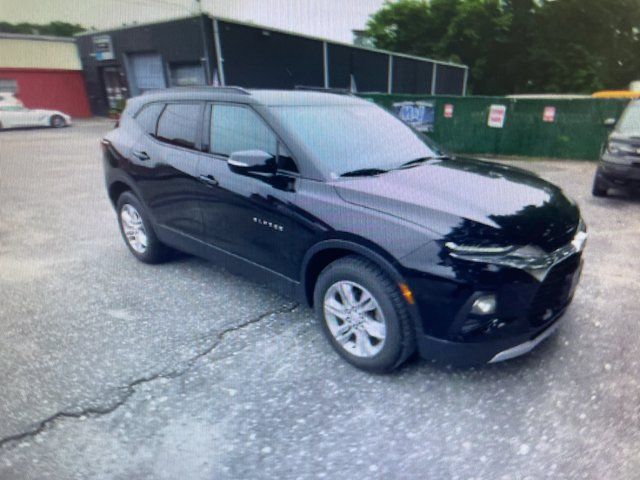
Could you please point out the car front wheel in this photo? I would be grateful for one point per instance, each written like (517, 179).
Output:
(364, 315)
(137, 231)
(57, 121)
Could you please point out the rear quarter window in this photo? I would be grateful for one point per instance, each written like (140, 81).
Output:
(178, 124)
(147, 118)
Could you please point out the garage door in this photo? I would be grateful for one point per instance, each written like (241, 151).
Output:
(148, 72)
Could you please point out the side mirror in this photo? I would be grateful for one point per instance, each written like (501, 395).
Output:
(610, 122)
(252, 161)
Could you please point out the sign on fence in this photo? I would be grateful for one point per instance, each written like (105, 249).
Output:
(497, 115)
(549, 114)
(420, 115)
(448, 110)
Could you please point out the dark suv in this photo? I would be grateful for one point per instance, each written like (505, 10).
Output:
(619, 165)
(330, 198)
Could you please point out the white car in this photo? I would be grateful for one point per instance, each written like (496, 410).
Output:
(14, 114)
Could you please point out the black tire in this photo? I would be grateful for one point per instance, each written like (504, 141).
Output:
(399, 343)
(56, 121)
(598, 190)
(155, 251)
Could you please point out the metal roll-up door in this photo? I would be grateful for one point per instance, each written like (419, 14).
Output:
(148, 72)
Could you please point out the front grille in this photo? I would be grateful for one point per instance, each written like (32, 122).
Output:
(553, 294)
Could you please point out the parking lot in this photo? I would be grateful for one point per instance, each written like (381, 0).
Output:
(110, 368)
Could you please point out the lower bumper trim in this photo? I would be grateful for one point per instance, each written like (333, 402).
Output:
(525, 347)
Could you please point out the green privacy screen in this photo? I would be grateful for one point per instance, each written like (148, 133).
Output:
(561, 128)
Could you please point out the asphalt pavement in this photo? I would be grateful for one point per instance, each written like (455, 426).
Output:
(113, 369)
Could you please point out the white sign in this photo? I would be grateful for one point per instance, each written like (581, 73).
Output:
(448, 110)
(103, 48)
(497, 115)
(549, 114)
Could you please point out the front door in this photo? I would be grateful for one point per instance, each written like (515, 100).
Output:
(249, 216)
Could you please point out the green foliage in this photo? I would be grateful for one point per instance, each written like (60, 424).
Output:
(517, 46)
(56, 29)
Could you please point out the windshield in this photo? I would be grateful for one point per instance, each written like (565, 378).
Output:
(629, 124)
(348, 138)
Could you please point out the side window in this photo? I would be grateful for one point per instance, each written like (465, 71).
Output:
(147, 118)
(178, 124)
(235, 128)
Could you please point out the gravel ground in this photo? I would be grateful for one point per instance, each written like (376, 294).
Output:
(114, 369)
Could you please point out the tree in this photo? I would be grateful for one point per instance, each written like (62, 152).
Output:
(514, 46)
(467, 31)
(478, 36)
(56, 29)
(403, 26)
(585, 45)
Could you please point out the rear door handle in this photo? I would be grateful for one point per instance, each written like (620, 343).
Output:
(208, 180)
(140, 155)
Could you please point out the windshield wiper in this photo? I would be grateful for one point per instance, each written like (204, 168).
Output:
(364, 172)
(420, 160)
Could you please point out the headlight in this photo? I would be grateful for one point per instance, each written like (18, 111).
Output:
(619, 148)
(528, 257)
(477, 249)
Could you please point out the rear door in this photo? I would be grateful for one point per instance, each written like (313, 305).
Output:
(166, 161)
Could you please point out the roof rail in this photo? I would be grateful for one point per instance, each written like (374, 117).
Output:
(235, 88)
(229, 88)
(339, 91)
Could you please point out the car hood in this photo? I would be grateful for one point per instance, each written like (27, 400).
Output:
(470, 201)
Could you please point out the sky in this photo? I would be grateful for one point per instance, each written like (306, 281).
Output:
(331, 19)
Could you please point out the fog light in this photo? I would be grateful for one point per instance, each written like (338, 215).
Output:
(484, 305)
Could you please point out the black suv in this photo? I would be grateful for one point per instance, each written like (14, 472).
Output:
(329, 197)
(619, 165)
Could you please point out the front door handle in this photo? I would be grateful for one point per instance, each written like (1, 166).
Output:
(140, 155)
(208, 180)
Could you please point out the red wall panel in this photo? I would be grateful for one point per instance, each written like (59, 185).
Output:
(53, 89)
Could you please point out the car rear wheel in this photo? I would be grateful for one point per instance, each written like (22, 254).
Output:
(364, 315)
(598, 190)
(57, 121)
(137, 231)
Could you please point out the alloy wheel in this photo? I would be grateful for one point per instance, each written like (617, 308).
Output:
(355, 319)
(133, 228)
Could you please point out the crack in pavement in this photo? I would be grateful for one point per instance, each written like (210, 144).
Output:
(130, 389)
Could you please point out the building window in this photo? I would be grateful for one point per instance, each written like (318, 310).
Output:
(8, 85)
(187, 74)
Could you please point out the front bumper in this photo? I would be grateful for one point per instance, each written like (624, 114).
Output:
(524, 347)
(619, 175)
(528, 310)
(462, 354)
